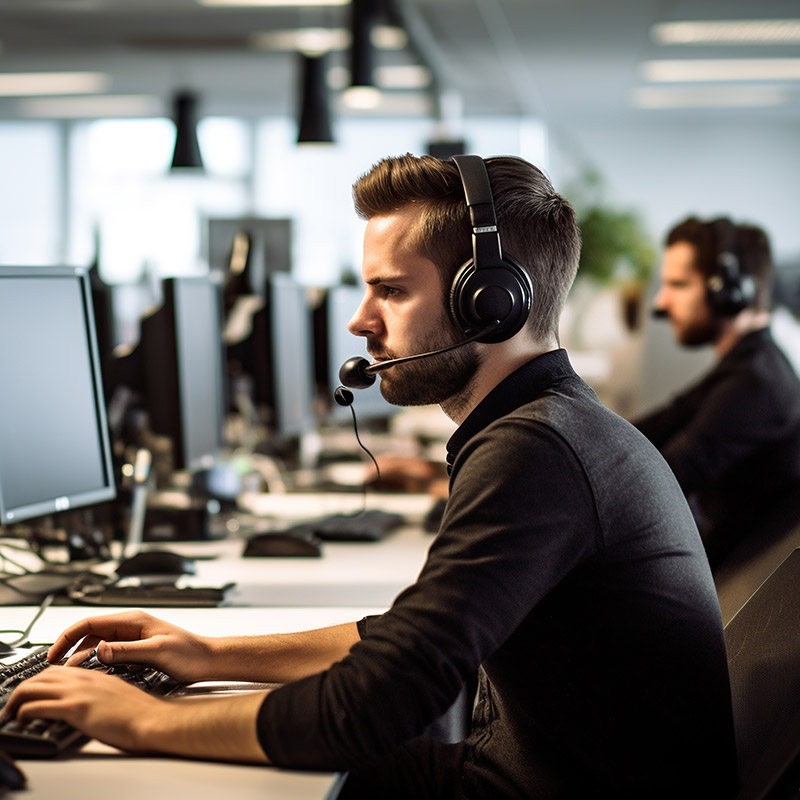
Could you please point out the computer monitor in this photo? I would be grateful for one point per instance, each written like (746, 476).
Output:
(786, 287)
(277, 355)
(55, 452)
(334, 344)
(182, 370)
(247, 249)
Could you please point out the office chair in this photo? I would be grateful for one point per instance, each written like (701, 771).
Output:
(759, 555)
(763, 644)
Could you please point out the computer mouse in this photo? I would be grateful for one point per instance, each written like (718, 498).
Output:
(11, 776)
(156, 562)
(295, 542)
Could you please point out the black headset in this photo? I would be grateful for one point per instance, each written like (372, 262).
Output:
(728, 289)
(491, 287)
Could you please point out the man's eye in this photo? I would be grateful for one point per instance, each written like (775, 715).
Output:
(389, 291)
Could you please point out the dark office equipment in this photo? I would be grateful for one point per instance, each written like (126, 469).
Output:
(373, 525)
(155, 562)
(54, 443)
(48, 738)
(268, 249)
(176, 369)
(764, 666)
(446, 148)
(277, 355)
(150, 595)
(333, 345)
(166, 523)
(786, 287)
(297, 542)
(183, 370)
(11, 776)
(103, 307)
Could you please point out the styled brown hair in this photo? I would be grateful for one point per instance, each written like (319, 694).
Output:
(750, 245)
(537, 226)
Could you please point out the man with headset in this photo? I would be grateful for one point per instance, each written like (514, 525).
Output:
(733, 439)
(568, 572)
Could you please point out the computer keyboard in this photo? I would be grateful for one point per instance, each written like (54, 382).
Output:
(44, 738)
(159, 595)
(367, 526)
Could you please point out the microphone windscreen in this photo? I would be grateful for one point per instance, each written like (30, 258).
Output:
(353, 373)
(343, 397)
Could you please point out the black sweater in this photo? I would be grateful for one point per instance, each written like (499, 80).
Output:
(568, 569)
(733, 441)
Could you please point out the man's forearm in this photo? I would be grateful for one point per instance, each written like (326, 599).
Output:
(280, 658)
(221, 728)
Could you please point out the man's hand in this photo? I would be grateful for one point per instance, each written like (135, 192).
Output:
(100, 705)
(106, 708)
(134, 637)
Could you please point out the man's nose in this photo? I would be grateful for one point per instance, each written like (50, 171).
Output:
(363, 322)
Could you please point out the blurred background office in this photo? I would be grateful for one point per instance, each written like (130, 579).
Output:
(132, 131)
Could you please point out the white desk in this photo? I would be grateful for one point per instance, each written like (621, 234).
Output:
(100, 770)
(347, 574)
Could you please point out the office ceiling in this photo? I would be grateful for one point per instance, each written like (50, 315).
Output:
(562, 60)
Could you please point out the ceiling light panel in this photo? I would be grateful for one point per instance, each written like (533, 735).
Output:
(270, 3)
(723, 69)
(322, 40)
(710, 97)
(94, 107)
(22, 84)
(756, 31)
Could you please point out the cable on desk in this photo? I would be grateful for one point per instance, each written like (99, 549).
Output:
(26, 633)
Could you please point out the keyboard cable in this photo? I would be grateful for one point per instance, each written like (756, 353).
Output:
(7, 647)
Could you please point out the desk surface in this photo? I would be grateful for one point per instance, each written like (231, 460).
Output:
(347, 574)
(107, 771)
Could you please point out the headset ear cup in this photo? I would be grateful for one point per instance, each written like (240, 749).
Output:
(729, 293)
(480, 297)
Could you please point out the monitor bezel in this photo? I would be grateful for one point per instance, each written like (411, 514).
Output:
(10, 516)
(172, 288)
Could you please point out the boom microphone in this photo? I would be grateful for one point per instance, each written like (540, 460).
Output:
(358, 373)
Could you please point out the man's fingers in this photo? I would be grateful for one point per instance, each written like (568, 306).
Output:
(82, 652)
(126, 626)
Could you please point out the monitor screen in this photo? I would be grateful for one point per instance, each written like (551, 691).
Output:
(181, 354)
(54, 444)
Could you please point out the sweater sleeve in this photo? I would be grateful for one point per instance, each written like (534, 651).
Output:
(509, 534)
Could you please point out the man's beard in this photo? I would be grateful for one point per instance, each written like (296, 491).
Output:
(699, 333)
(436, 379)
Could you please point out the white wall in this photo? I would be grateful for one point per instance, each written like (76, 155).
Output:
(747, 170)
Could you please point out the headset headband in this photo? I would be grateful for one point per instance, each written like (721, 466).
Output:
(486, 248)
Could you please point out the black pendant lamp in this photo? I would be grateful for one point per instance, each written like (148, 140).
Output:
(362, 58)
(187, 151)
(315, 114)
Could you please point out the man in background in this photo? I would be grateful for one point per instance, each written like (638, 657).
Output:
(733, 439)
